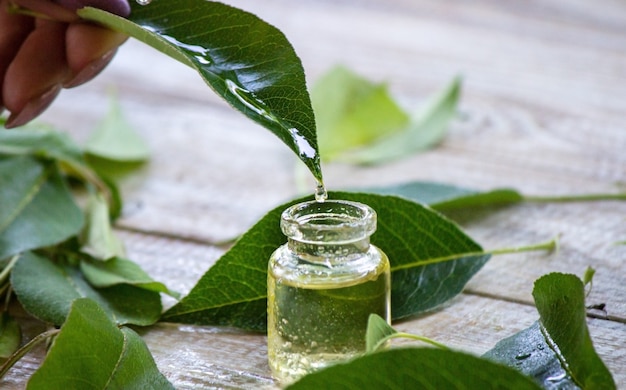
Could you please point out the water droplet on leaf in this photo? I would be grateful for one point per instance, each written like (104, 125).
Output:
(143, 2)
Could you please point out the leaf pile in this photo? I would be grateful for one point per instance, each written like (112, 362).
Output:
(58, 254)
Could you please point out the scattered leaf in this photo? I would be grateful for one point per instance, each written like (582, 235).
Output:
(98, 239)
(234, 290)
(37, 208)
(41, 141)
(529, 353)
(46, 290)
(446, 197)
(38, 140)
(10, 335)
(377, 330)
(90, 352)
(115, 139)
(427, 128)
(245, 60)
(588, 279)
(568, 335)
(352, 112)
(416, 368)
(102, 274)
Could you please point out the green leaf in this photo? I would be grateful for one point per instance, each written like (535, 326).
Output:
(245, 60)
(377, 330)
(90, 352)
(427, 128)
(416, 368)
(446, 197)
(588, 279)
(37, 208)
(102, 274)
(98, 239)
(352, 112)
(115, 139)
(431, 261)
(10, 335)
(529, 353)
(46, 290)
(560, 300)
(43, 141)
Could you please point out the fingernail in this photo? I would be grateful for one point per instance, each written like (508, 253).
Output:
(33, 108)
(90, 71)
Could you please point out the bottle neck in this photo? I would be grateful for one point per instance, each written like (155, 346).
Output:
(328, 232)
(329, 253)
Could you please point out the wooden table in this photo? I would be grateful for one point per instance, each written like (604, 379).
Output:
(544, 111)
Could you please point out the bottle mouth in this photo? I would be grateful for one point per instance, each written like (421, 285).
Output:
(332, 221)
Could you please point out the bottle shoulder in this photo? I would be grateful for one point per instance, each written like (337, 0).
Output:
(288, 267)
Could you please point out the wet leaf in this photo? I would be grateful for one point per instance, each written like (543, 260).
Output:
(37, 208)
(46, 290)
(568, 335)
(234, 290)
(556, 351)
(10, 335)
(115, 139)
(529, 353)
(243, 59)
(352, 112)
(426, 129)
(90, 352)
(416, 368)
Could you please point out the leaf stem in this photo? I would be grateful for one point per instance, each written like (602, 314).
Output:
(409, 336)
(549, 246)
(7, 270)
(17, 355)
(574, 198)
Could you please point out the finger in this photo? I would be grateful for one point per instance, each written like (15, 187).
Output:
(89, 48)
(14, 29)
(34, 78)
(48, 8)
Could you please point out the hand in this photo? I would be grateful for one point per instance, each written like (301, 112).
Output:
(41, 55)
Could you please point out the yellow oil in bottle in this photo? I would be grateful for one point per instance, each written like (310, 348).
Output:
(321, 294)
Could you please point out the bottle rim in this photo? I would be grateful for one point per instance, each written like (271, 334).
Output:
(331, 221)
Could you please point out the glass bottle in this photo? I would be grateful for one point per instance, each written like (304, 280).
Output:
(322, 286)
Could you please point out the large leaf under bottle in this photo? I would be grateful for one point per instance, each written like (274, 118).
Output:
(245, 60)
(431, 261)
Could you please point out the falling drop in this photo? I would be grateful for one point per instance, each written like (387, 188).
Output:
(143, 2)
(320, 193)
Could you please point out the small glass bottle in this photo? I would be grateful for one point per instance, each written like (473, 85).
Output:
(322, 286)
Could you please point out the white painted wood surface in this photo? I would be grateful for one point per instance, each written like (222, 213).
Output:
(544, 111)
